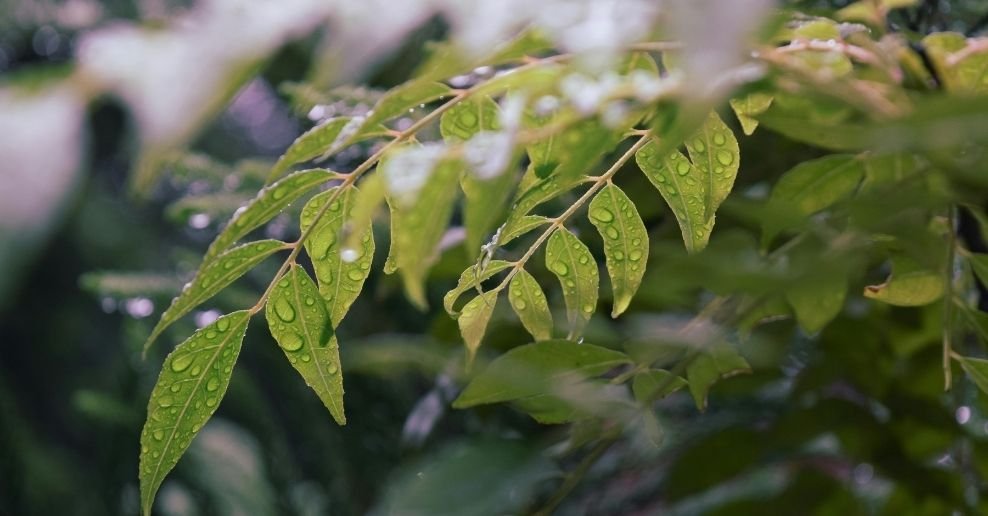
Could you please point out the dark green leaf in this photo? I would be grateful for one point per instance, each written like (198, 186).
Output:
(193, 380)
(977, 369)
(301, 325)
(655, 384)
(709, 366)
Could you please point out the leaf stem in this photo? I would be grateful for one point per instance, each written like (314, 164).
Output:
(948, 296)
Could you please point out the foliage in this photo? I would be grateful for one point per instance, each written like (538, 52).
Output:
(814, 247)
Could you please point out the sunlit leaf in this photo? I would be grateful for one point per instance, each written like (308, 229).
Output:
(656, 384)
(323, 139)
(470, 279)
(625, 243)
(533, 369)
(748, 107)
(218, 273)
(570, 260)
(714, 152)
(910, 284)
(680, 185)
(977, 370)
(192, 382)
(340, 280)
(301, 326)
(422, 225)
(529, 302)
(399, 100)
(268, 203)
(473, 321)
(709, 366)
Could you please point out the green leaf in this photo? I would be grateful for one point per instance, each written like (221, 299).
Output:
(365, 202)
(340, 281)
(323, 140)
(268, 203)
(473, 321)
(625, 243)
(969, 75)
(656, 384)
(471, 278)
(885, 170)
(910, 284)
(529, 79)
(534, 369)
(817, 300)
(838, 136)
(192, 382)
(810, 187)
(977, 369)
(422, 224)
(574, 151)
(570, 260)
(469, 117)
(529, 302)
(519, 227)
(401, 99)
(217, 275)
(748, 107)
(979, 264)
(709, 366)
(714, 152)
(681, 186)
(301, 326)
(533, 191)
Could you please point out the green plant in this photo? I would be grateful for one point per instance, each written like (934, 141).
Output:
(524, 158)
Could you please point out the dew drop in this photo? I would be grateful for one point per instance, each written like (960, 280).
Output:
(698, 145)
(584, 259)
(719, 139)
(211, 401)
(611, 232)
(355, 275)
(165, 401)
(724, 157)
(291, 341)
(223, 324)
(181, 363)
(210, 334)
(279, 192)
(331, 368)
(603, 214)
(635, 255)
(175, 387)
(195, 371)
(683, 168)
(349, 255)
(560, 268)
(618, 255)
(588, 308)
(306, 357)
(309, 301)
(520, 304)
(212, 384)
(284, 310)
(158, 435)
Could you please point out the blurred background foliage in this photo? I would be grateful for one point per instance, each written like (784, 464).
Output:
(853, 420)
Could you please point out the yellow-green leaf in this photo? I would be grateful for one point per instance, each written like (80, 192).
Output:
(469, 117)
(714, 152)
(519, 226)
(301, 326)
(570, 260)
(473, 321)
(709, 366)
(683, 189)
(364, 203)
(402, 98)
(529, 302)
(625, 243)
(910, 284)
(471, 279)
(748, 107)
(268, 203)
(340, 277)
(216, 276)
(192, 382)
(323, 140)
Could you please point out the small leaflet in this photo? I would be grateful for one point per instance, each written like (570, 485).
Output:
(625, 243)
(530, 304)
(570, 260)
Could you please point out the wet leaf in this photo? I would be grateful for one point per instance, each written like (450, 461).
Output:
(910, 284)
(625, 243)
(469, 117)
(709, 366)
(533, 191)
(269, 202)
(748, 107)
(470, 279)
(323, 140)
(340, 277)
(301, 326)
(519, 227)
(570, 260)
(529, 302)
(192, 382)
(217, 275)
(714, 152)
(402, 98)
(681, 186)
(473, 321)
(657, 384)
(533, 369)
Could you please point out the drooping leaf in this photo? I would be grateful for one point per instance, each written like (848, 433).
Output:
(268, 203)
(714, 152)
(323, 139)
(473, 321)
(910, 284)
(748, 107)
(709, 366)
(570, 260)
(884, 170)
(401, 99)
(837, 136)
(470, 279)
(217, 275)
(625, 243)
(192, 382)
(423, 222)
(340, 280)
(533, 369)
(817, 301)
(301, 326)
(810, 187)
(520, 226)
(680, 185)
(977, 369)
(655, 384)
(529, 302)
